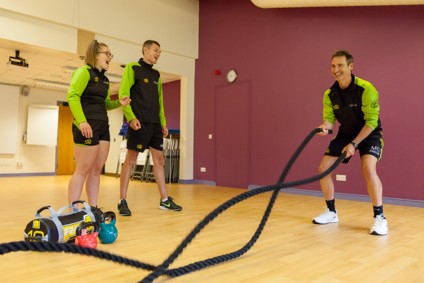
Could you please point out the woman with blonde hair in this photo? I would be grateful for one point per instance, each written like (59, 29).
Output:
(89, 99)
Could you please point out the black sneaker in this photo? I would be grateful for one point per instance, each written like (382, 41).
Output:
(169, 204)
(123, 208)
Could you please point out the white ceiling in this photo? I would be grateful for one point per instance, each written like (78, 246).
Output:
(48, 65)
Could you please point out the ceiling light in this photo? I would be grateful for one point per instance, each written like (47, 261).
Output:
(50, 84)
(18, 60)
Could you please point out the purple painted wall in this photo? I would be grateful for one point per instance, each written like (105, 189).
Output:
(171, 100)
(285, 55)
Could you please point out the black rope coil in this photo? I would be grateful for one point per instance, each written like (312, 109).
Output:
(162, 269)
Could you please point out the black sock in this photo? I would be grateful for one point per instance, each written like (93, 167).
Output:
(378, 210)
(331, 205)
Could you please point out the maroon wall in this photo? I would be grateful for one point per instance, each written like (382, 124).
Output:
(285, 55)
(171, 103)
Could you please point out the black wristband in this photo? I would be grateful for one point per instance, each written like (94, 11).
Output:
(355, 145)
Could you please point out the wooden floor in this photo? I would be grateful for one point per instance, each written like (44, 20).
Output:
(291, 249)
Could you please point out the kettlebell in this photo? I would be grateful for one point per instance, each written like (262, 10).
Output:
(84, 239)
(108, 231)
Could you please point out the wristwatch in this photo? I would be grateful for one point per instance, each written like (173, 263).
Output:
(355, 145)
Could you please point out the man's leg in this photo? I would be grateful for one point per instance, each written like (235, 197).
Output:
(124, 180)
(374, 186)
(159, 171)
(166, 202)
(375, 191)
(326, 183)
(327, 188)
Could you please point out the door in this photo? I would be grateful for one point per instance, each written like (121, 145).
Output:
(233, 127)
(65, 142)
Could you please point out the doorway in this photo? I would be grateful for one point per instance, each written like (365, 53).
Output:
(233, 135)
(65, 144)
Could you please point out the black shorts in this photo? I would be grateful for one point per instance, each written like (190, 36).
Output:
(372, 145)
(150, 135)
(100, 130)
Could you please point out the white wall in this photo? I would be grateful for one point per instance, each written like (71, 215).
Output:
(124, 24)
(174, 23)
(9, 120)
(115, 123)
(36, 159)
(31, 159)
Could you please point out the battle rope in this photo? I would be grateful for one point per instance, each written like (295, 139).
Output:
(162, 269)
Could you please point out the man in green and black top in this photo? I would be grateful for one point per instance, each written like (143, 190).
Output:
(147, 122)
(353, 102)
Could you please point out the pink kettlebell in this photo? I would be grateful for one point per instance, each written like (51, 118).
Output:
(85, 238)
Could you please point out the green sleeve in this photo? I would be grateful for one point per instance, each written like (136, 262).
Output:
(327, 110)
(124, 90)
(161, 108)
(79, 81)
(111, 104)
(370, 106)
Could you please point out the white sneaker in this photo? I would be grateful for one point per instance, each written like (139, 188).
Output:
(380, 226)
(326, 217)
